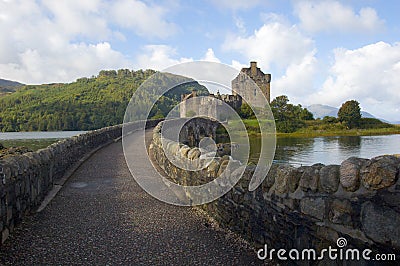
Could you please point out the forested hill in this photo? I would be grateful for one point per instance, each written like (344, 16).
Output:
(87, 103)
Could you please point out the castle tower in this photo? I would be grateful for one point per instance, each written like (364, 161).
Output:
(241, 85)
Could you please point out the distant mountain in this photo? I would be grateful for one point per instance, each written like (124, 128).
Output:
(9, 86)
(320, 110)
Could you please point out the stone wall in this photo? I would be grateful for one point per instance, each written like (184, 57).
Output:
(192, 129)
(210, 106)
(26, 179)
(305, 207)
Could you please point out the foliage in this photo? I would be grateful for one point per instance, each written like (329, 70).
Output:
(368, 123)
(329, 119)
(304, 114)
(246, 112)
(329, 127)
(87, 103)
(293, 120)
(289, 117)
(350, 113)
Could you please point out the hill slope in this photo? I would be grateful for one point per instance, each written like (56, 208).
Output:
(85, 104)
(9, 86)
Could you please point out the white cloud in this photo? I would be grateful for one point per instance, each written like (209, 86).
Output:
(329, 16)
(77, 17)
(273, 44)
(159, 57)
(236, 4)
(71, 62)
(39, 39)
(237, 65)
(370, 75)
(298, 80)
(279, 45)
(210, 56)
(143, 19)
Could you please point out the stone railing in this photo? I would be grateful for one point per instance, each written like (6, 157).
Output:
(304, 207)
(26, 179)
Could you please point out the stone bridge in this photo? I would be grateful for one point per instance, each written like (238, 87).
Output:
(75, 202)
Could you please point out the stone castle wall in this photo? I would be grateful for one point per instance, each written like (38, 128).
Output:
(305, 207)
(26, 179)
(210, 106)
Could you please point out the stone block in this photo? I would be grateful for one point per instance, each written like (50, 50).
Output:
(293, 179)
(184, 151)
(222, 167)
(340, 212)
(350, 173)
(381, 224)
(380, 172)
(314, 207)
(281, 179)
(223, 149)
(194, 154)
(329, 178)
(270, 178)
(310, 178)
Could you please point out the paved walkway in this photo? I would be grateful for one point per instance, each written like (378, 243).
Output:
(102, 217)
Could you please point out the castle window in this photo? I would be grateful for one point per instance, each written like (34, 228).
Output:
(255, 92)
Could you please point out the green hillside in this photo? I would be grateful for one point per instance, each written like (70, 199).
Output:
(87, 103)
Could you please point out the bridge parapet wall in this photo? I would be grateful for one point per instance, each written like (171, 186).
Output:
(304, 207)
(26, 179)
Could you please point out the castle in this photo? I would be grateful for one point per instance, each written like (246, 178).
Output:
(242, 86)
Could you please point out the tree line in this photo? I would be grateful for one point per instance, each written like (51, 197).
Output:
(291, 118)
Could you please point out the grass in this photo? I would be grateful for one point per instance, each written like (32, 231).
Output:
(33, 144)
(345, 132)
(317, 128)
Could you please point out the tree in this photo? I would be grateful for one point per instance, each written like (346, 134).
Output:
(288, 117)
(329, 119)
(306, 115)
(246, 112)
(350, 113)
(279, 107)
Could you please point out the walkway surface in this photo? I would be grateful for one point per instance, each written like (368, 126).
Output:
(102, 217)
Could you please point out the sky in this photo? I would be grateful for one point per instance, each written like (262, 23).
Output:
(318, 52)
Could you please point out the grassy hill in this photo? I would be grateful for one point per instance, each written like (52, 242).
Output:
(87, 103)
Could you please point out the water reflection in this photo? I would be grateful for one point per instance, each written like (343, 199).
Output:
(349, 142)
(328, 150)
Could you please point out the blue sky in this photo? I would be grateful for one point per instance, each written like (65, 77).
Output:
(317, 51)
